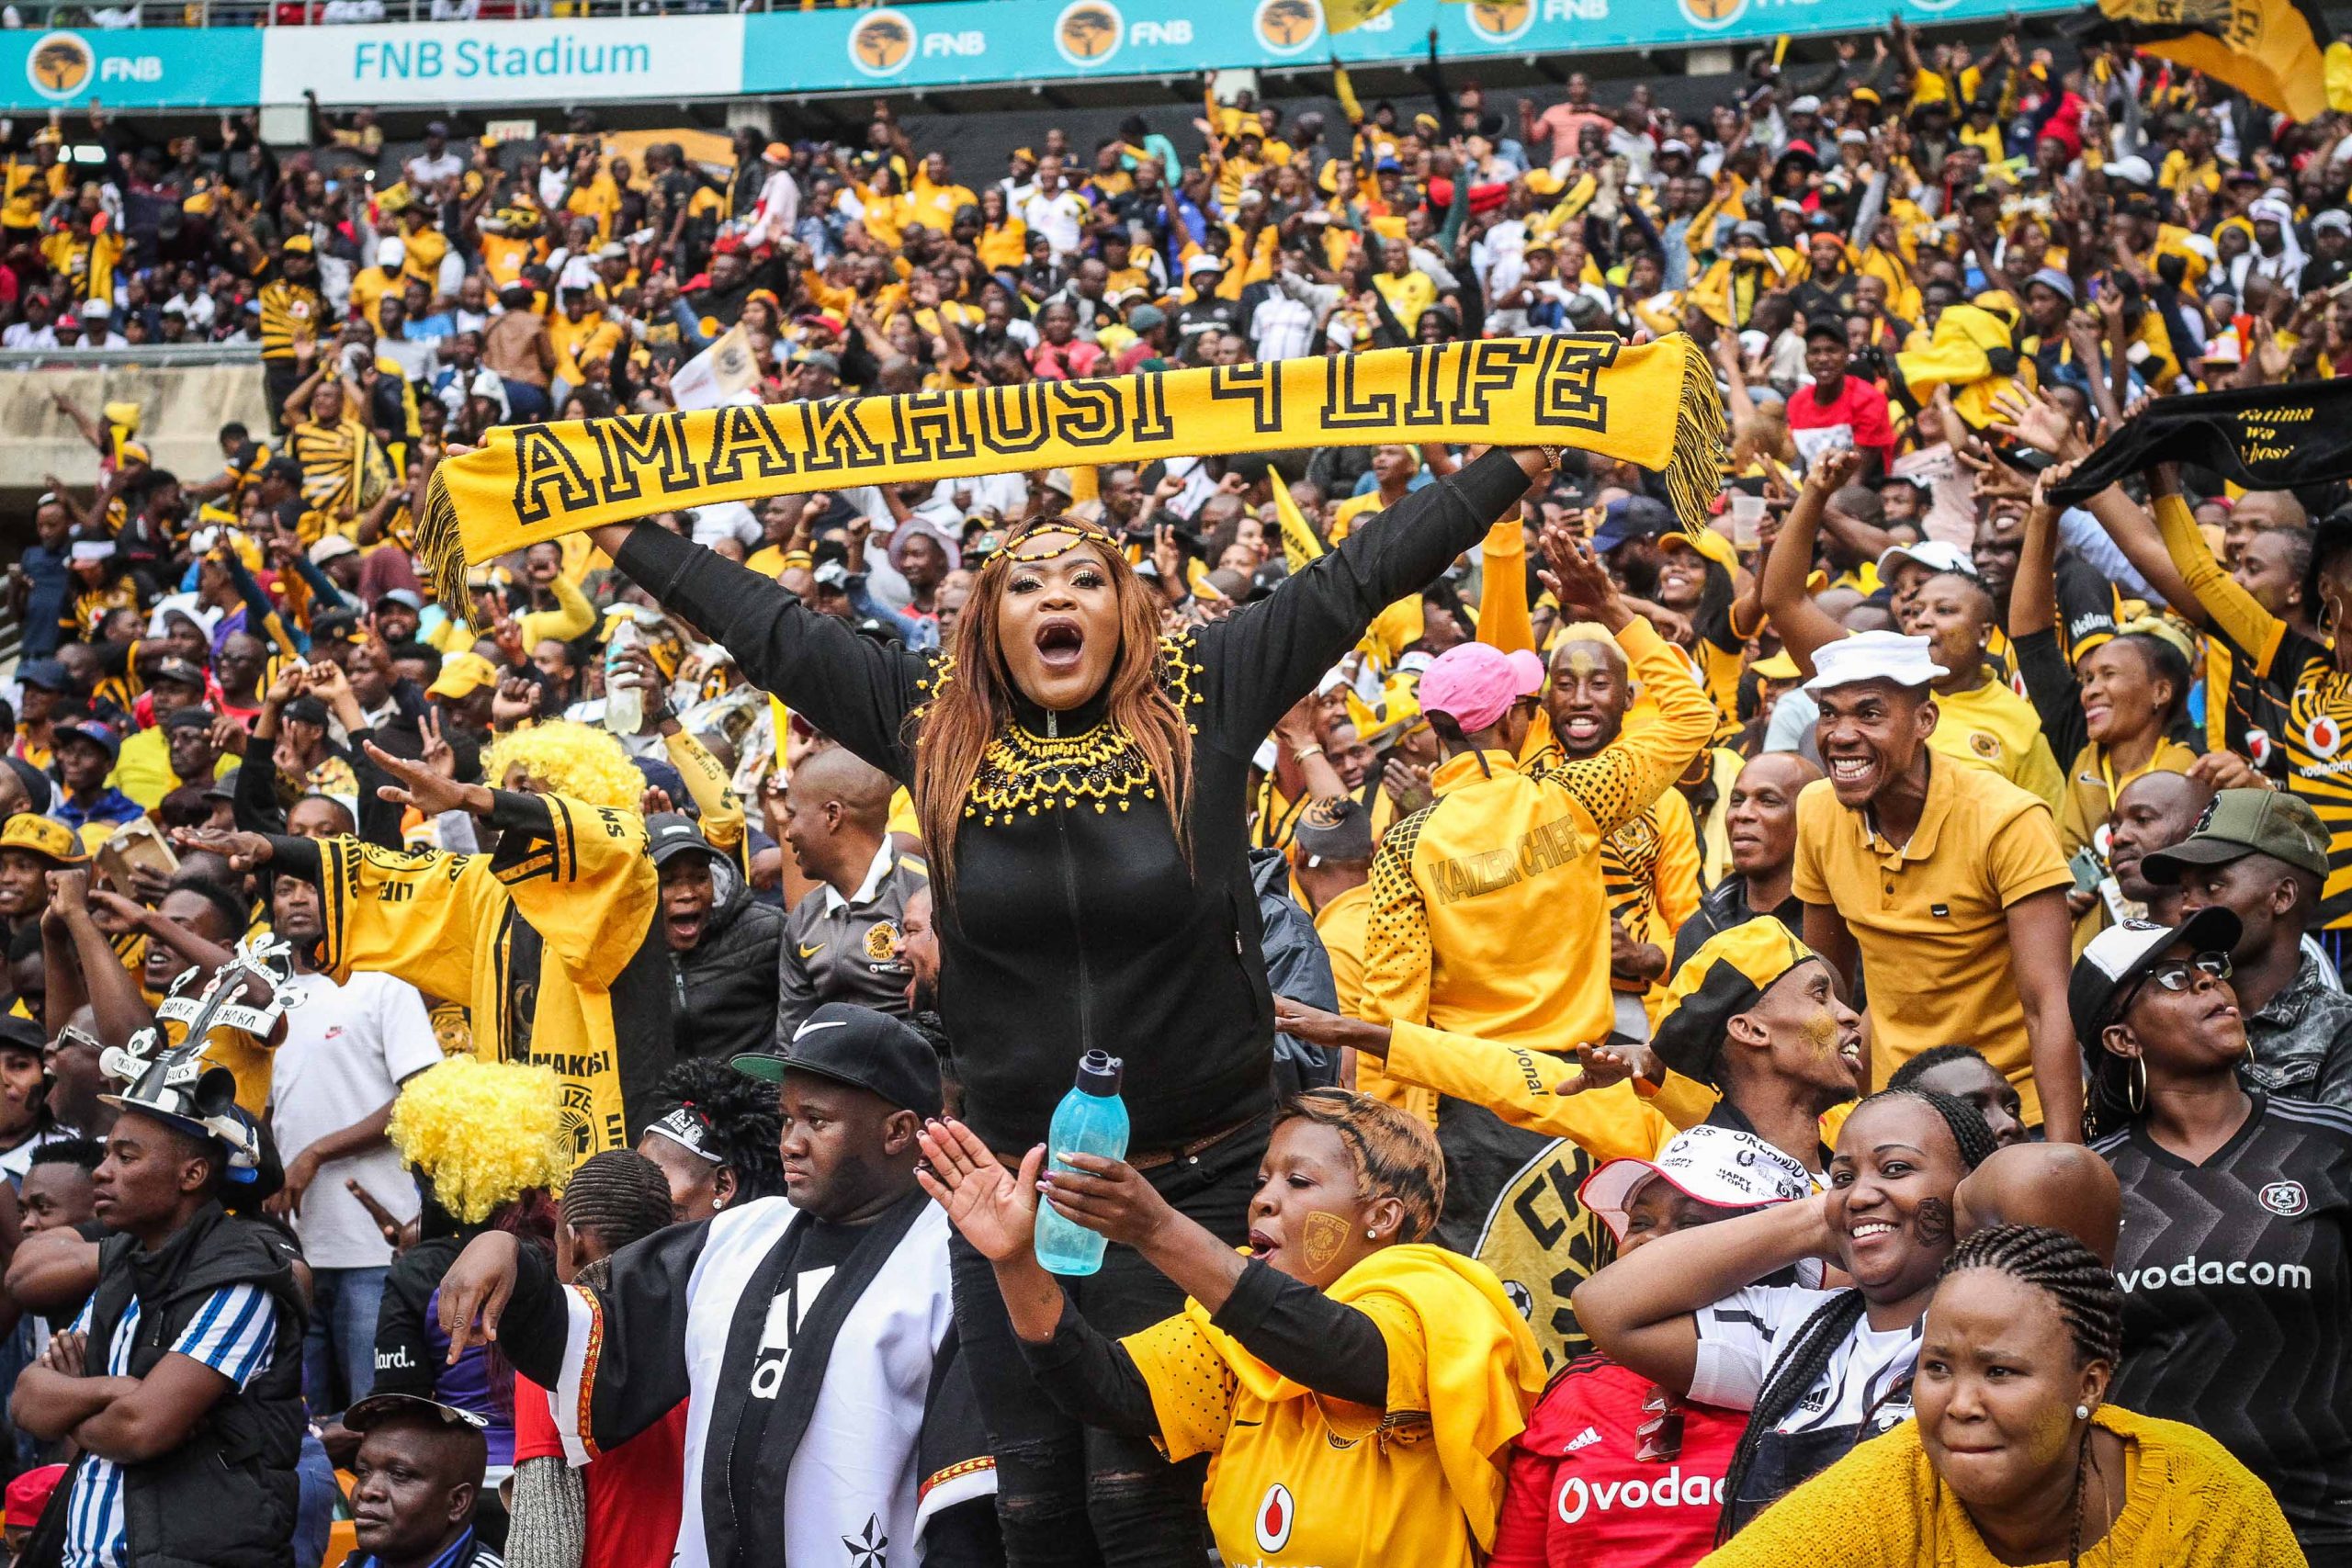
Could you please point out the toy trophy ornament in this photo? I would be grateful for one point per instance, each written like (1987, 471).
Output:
(173, 1081)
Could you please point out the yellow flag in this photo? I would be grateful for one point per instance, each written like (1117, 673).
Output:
(1299, 544)
(2269, 49)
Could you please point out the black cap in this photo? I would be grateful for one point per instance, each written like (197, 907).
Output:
(862, 1048)
(188, 718)
(307, 710)
(2118, 957)
(1825, 326)
(1338, 829)
(22, 1034)
(47, 673)
(378, 1408)
(669, 834)
(181, 671)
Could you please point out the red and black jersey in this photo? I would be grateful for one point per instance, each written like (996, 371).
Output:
(1579, 1495)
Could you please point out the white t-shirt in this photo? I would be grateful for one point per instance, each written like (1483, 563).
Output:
(1742, 1335)
(1058, 218)
(347, 1050)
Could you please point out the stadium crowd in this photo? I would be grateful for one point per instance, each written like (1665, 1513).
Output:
(1819, 1037)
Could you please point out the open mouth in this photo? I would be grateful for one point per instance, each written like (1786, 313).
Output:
(1582, 727)
(1870, 1231)
(685, 928)
(1850, 772)
(1061, 643)
(1263, 1246)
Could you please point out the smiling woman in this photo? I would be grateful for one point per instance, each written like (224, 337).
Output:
(1819, 1371)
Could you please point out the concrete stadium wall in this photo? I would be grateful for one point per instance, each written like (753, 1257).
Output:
(183, 409)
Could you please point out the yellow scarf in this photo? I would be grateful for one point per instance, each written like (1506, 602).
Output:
(1462, 1371)
(1653, 405)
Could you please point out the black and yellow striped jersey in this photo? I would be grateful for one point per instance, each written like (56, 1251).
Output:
(290, 310)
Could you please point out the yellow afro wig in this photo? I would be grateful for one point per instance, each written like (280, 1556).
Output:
(580, 761)
(483, 1132)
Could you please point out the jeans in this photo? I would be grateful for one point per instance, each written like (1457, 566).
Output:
(314, 1512)
(1067, 1496)
(526, 403)
(339, 1352)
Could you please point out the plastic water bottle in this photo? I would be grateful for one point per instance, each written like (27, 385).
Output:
(624, 703)
(1091, 1120)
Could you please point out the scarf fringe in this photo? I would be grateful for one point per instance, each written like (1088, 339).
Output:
(441, 552)
(1694, 475)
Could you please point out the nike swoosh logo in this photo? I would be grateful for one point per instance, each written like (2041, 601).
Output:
(812, 1026)
(810, 951)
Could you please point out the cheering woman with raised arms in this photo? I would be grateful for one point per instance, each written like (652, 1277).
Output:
(1081, 782)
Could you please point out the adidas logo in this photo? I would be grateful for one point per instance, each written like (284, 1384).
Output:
(1583, 1439)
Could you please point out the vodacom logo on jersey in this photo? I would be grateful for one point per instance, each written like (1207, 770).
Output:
(2324, 736)
(1673, 1490)
(1276, 1514)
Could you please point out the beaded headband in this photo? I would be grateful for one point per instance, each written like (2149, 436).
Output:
(1084, 532)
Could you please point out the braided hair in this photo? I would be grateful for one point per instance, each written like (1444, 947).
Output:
(745, 1127)
(2079, 1285)
(1833, 1322)
(616, 1196)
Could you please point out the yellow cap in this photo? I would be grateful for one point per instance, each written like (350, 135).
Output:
(1779, 667)
(462, 674)
(44, 836)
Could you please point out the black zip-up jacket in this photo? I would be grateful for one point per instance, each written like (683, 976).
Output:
(1075, 924)
(723, 993)
(226, 1497)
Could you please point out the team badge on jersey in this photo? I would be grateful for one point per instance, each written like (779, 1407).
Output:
(1276, 1514)
(1986, 746)
(2324, 736)
(2257, 746)
(2286, 1199)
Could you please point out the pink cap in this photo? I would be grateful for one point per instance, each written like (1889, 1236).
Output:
(1475, 683)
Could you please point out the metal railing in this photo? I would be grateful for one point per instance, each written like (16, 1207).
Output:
(161, 356)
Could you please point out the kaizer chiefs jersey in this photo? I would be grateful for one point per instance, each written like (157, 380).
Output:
(2237, 1302)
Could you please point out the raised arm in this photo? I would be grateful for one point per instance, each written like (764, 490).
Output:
(850, 688)
(1628, 775)
(1269, 654)
(1802, 625)
(1641, 1310)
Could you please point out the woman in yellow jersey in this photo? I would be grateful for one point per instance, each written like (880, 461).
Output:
(2117, 711)
(1338, 1325)
(1004, 239)
(2016, 1457)
(1980, 722)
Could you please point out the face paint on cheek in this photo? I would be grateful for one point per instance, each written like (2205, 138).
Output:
(1322, 1237)
(1932, 1221)
(1821, 1033)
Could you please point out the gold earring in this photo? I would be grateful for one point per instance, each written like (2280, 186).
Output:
(2136, 1086)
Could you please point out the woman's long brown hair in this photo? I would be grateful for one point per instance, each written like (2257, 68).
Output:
(969, 708)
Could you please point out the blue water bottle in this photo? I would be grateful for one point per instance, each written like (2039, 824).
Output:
(1091, 1120)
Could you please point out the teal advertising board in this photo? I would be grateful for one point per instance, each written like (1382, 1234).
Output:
(953, 43)
(132, 68)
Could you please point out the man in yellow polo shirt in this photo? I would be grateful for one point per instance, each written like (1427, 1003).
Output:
(1939, 887)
